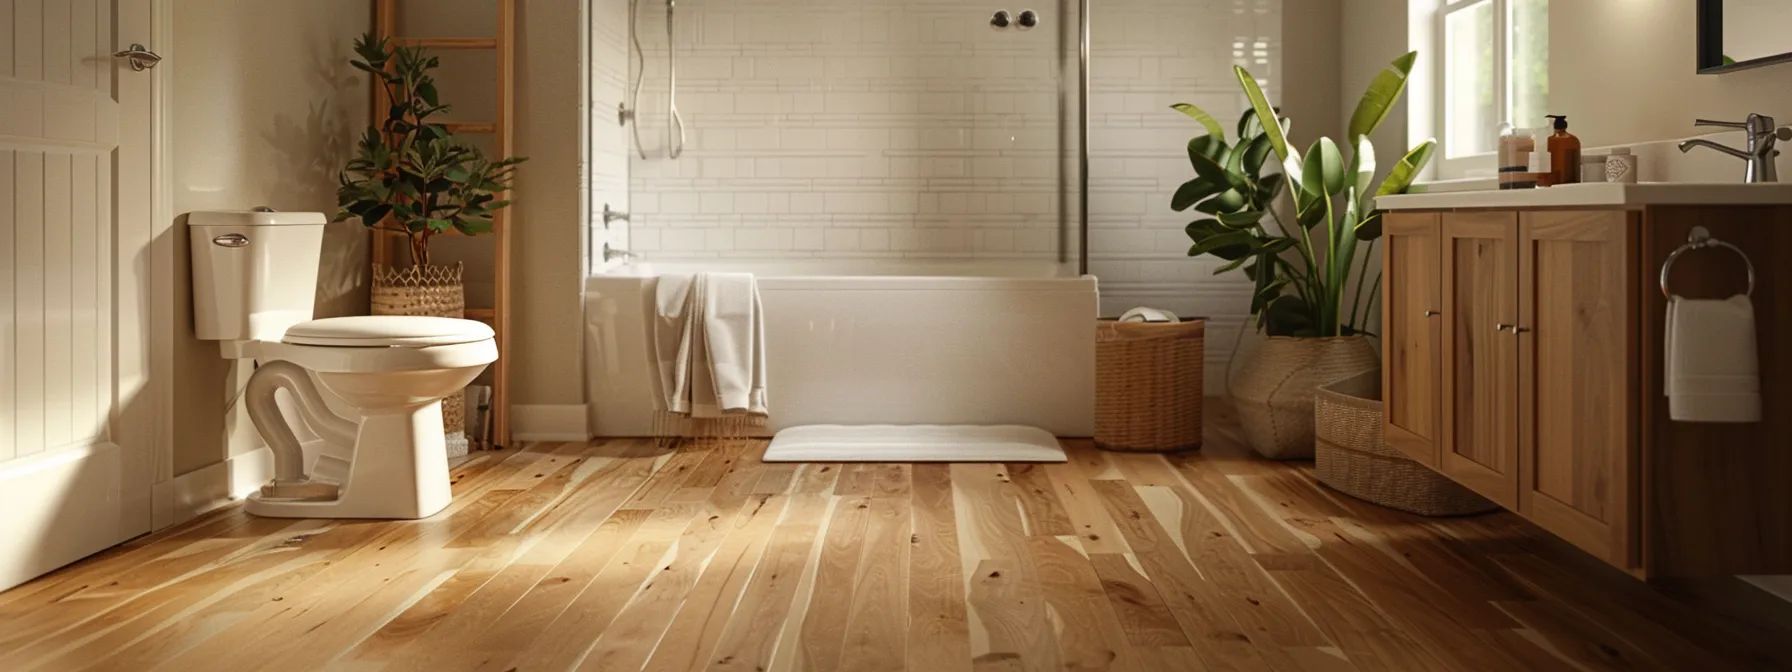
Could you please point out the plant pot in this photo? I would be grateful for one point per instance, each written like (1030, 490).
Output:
(429, 291)
(1275, 388)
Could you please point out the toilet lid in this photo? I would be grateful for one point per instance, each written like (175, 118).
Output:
(387, 331)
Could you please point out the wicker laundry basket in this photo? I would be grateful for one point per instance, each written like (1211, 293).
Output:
(428, 291)
(1148, 385)
(1353, 459)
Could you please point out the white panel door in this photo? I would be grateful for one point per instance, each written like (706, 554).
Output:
(76, 419)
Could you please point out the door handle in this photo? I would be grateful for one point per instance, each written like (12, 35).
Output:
(139, 57)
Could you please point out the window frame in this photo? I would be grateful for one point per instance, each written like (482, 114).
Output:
(1467, 165)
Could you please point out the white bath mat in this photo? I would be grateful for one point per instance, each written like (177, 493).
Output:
(914, 443)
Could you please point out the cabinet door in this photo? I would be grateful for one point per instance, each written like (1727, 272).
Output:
(1411, 327)
(1480, 373)
(1577, 371)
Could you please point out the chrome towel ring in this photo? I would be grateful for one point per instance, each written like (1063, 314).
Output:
(1699, 239)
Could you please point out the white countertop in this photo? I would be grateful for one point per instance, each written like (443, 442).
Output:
(1598, 194)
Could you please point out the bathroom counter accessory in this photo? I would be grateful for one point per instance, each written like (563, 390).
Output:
(1597, 195)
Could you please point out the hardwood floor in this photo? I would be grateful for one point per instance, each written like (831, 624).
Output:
(622, 556)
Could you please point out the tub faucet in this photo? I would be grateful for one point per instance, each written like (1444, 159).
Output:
(613, 215)
(612, 254)
(1760, 155)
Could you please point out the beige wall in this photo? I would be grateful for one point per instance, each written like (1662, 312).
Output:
(548, 264)
(1311, 44)
(264, 111)
(1624, 72)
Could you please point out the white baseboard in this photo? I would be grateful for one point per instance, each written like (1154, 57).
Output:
(188, 495)
(565, 422)
(58, 508)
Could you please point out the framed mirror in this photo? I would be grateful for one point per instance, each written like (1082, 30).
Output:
(1741, 34)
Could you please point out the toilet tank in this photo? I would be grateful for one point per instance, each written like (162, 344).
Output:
(254, 273)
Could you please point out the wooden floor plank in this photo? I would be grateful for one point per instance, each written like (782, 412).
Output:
(939, 635)
(624, 554)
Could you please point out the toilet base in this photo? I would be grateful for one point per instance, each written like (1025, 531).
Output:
(399, 471)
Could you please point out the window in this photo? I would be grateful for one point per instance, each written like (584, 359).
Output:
(1495, 69)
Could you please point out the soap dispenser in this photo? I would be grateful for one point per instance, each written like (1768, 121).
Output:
(1564, 153)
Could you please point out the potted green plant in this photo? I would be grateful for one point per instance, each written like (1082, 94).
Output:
(411, 175)
(1295, 232)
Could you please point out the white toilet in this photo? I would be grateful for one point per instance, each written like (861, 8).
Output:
(254, 277)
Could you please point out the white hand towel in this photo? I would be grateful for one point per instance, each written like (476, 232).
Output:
(736, 342)
(1712, 368)
(670, 323)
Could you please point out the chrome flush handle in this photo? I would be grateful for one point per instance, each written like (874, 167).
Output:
(139, 57)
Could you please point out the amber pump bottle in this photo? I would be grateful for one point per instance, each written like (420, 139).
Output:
(1564, 153)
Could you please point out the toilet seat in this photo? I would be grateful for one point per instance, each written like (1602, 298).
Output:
(384, 343)
(405, 331)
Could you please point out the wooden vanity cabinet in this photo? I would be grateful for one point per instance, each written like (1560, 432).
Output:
(1522, 336)
(1511, 362)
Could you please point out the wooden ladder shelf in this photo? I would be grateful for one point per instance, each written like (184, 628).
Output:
(386, 249)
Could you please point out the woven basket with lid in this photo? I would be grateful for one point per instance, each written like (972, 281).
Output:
(1148, 389)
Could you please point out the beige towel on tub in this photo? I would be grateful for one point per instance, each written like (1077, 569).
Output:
(709, 351)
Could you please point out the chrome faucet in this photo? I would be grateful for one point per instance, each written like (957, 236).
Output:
(613, 215)
(1760, 155)
(612, 254)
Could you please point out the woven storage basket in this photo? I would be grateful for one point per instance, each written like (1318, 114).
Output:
(1148, 385)
(1353, 459)
(1274, 389)
(429, 291)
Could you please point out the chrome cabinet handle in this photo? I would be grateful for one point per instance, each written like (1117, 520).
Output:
(139, 57)
(1432, 313)
(1503, 327)
(1516, 330)
(1000, 19)
(1028, 19)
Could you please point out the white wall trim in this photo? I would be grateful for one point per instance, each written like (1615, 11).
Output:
(58, 510)
(188, 495)
(543, 422)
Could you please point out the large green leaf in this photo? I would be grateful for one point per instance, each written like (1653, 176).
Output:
(1333, 162)
(1277, 139)
(1248, 126)
(1407, 170)
(1208, 146)
(1192, 191)
(1207, 121)
(1230, 245)
(1202, 229)
(1229, 200)
(1254, 154)
(1232, 265)
(1313, 179)
(1242, 219)
(1379, 99)
(1211, 167)
(1362, 167)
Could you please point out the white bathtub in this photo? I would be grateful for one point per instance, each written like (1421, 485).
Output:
(859, 342)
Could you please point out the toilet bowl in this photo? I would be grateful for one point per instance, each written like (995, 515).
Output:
(394, 371)
(255, 276)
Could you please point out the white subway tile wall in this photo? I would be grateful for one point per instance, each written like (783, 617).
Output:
(851, 129)
(610, 144)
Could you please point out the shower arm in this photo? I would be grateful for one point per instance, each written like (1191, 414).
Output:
(674, 123)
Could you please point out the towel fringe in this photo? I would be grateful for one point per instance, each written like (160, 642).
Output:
(669, 428)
